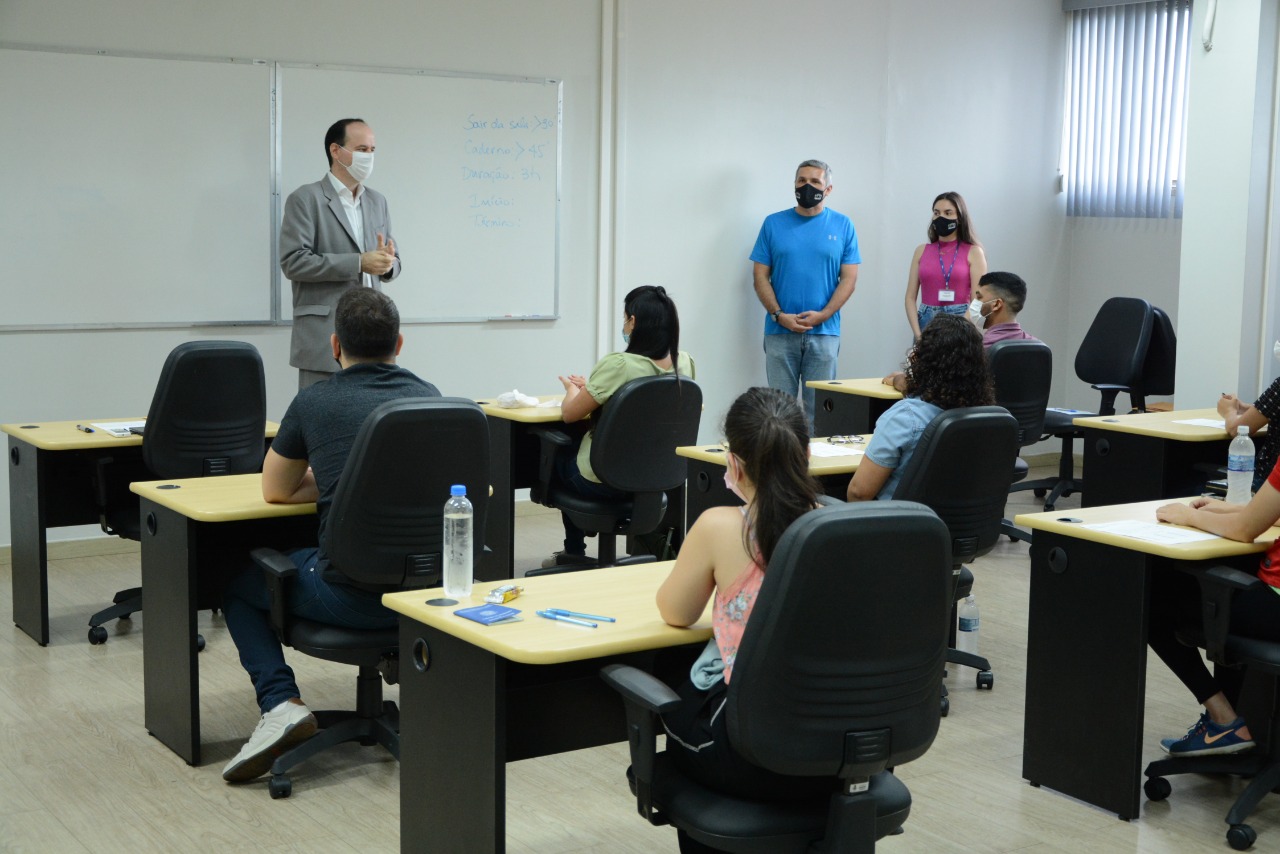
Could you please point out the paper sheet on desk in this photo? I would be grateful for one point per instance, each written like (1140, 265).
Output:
(1152, 532)
(119, 429)
(1217, 424)
(826, 449)
(548, 404)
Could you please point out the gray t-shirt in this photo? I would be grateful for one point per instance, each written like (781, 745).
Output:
(321, 424)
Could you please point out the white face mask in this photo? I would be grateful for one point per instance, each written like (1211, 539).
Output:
(975, 312)
(731, 475)
(361, 165)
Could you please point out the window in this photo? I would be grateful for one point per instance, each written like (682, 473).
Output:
(1124, 133)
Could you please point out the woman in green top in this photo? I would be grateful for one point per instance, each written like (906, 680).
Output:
(651, 330)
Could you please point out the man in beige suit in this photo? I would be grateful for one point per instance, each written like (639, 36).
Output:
(335, 235)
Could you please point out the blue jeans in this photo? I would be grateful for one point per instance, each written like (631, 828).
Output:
(793, 358)
(575, 539)
(246, 603)
(925, 313)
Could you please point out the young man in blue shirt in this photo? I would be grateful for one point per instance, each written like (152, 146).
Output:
(806, 266)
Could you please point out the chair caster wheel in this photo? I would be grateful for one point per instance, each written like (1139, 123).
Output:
(280, 786)
(1040, 493)
(199, 643)
(986, 679)
(1241, 837)
(946, 706)
(97, 635)
(1157, 788)
(125, 617)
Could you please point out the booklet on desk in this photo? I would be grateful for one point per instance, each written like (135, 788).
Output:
(119, 429)
(488, 615)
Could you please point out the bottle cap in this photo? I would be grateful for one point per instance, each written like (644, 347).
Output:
(458, 489)
(1242, 430)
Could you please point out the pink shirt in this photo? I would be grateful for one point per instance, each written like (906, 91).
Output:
(1011, 331)
(936, 262)
(731, 611)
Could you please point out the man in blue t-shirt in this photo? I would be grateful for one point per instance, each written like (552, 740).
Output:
(806, 265)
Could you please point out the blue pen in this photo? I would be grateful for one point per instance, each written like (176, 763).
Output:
(551, 615)
(564, 613)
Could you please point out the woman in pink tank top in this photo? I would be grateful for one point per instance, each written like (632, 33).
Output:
(944, 271)
(726, 555)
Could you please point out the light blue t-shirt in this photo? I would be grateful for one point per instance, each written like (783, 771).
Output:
(897, 432)
(804, 255)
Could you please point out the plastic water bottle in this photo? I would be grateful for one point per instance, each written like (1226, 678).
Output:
(967, 626)
(458, 517)
(1240, 467)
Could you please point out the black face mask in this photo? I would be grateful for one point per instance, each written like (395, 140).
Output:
(943, 226)
(809, 196)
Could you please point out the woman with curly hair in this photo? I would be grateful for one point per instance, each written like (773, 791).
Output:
(946, 369)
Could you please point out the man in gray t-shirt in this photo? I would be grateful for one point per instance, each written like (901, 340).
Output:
(304, 464)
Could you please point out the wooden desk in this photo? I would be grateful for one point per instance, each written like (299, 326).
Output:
(705, 486)
(52, 467)
(1087, 647)
(513, 464)
(850, 406)
(1145, 456)
(196, 533)
(473, 698)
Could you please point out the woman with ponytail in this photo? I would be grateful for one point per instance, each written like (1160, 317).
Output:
(726, 553)
(651, 331)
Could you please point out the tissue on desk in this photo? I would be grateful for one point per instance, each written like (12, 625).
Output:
(515, 400)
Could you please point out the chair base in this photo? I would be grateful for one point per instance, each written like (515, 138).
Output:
(126, 602)
(338, 727)
(1013, 532)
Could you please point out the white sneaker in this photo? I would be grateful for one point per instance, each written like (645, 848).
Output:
(281, 728)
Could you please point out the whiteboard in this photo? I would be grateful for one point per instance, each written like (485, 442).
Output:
(470, 169)
(138, 190)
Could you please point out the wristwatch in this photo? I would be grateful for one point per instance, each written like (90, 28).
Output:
(775, 315)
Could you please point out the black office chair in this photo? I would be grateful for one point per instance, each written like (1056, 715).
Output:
(960, 468)
(836, 676)
(633, 450)
(1159, 366)
(1218, 585)
(1022, 372)
(384, 532)
(1112, 359)
(207, 418)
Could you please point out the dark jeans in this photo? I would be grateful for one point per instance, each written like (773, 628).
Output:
(247, 605)
(1175, 603)
(575, 539)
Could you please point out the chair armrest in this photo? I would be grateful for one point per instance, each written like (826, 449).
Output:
(1218, 585)
(644, 697)
(278, 569)
(829, 501)
(553, 440)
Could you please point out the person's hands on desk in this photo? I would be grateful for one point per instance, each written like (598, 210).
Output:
(897, 379)
(1243, 523)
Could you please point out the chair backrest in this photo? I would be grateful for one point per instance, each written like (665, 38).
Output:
(640, 427)
(385, 529)
(961, 468)
(1115, 347)
(1022, 372)
(837, 672)
(209, 412)
(1162, 356)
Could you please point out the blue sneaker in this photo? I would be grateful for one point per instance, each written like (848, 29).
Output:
(1207, 738)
